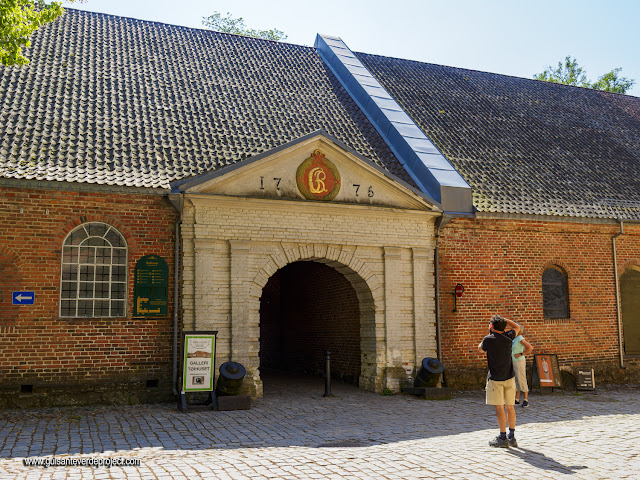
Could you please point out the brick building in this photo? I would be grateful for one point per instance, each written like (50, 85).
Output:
(156, 178)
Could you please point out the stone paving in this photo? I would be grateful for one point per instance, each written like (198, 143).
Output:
(295, 433)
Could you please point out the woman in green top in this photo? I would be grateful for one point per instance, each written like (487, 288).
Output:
(519, 348)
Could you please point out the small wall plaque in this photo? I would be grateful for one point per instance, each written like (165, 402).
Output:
(585, 380)
(151, 288)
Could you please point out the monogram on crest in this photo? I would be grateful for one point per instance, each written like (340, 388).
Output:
(318, 178)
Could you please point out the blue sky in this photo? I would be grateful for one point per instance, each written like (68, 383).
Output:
(515, 37)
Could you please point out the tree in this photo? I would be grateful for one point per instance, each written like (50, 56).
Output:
(570, 73)
(611, 82)
(18, 20)
(236, 26)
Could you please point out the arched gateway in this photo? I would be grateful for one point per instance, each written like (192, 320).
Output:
(315, 304)
(313, 239)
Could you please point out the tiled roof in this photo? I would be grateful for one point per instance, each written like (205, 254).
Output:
(525, 146)
(117, 101)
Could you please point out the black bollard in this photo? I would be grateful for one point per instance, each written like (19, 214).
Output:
(327, 374)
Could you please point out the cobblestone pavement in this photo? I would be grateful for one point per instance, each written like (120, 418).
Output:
(295, 433)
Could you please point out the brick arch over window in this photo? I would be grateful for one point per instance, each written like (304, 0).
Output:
(555, 292)
(66, 229)
(94, 272)
(368, 286)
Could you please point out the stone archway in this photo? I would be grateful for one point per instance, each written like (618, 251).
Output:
(630, 302)
(370, 310)
(308, 308)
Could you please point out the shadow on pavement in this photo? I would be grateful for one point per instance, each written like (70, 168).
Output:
(292, 412)
(543, 462)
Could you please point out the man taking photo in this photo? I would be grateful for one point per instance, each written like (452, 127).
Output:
(501, 385)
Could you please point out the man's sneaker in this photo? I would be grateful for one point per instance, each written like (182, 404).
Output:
(499, 442)
(517, 402)
(513, 442)
(525, 404)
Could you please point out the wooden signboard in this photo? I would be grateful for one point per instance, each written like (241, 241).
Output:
(585, 380)
(151, 287)
(546, 371)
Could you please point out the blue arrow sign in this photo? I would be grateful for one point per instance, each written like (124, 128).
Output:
(24, 298)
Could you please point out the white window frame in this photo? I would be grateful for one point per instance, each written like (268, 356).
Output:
(72, 275)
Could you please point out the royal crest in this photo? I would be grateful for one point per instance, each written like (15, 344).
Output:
(318, 178)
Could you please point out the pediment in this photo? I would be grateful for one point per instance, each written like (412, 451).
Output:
(315, 168)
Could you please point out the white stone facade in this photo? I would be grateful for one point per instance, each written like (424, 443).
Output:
(235, 236)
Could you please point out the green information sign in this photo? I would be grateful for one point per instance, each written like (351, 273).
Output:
(151, 288)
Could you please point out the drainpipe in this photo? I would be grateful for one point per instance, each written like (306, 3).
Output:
(615, 273)
(440, 223)
(176, 291)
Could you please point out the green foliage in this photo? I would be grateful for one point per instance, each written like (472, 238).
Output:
(611, 82)
(236, 26)
(570, 73)
(18, 20)
(386, 391)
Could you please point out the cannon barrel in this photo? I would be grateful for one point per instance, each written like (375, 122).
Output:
(230, 379)
(429, 373)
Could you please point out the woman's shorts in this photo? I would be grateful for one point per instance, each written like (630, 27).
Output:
(501, 392)
(520, 367)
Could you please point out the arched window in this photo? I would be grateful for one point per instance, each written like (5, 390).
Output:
(94, 272)
(555, 294)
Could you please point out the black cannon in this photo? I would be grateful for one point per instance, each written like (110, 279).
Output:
(429, 373)
(230, 379)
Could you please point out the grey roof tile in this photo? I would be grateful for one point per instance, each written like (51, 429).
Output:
(525, 146)
(127, 102)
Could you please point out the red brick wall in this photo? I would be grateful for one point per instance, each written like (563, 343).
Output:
(45, 350)
(500, 264)
(312, 308)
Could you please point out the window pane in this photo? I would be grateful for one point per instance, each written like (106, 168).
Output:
(68, 308)
(97, 242)
(85, 308)
(554, 294)
(119, 256)
(114, 238)
(69, 289)
(69, 272)
(87, 273)
(86, 290)
(101, 290)
(87, 255)
(101, 308)
(117, 308)
(96, 229)
(103, 274)
(118, 290)
(119, 273)
(103, 256)
(70, 255)
(76, 237)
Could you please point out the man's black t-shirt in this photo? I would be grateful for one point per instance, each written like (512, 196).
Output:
(498, 348)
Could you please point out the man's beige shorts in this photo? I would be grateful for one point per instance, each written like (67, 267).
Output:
(501, 393)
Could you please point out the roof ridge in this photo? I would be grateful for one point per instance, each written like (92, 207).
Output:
(492, 73)
(155, 22)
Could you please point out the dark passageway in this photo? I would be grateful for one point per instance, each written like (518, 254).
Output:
(305, 309)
